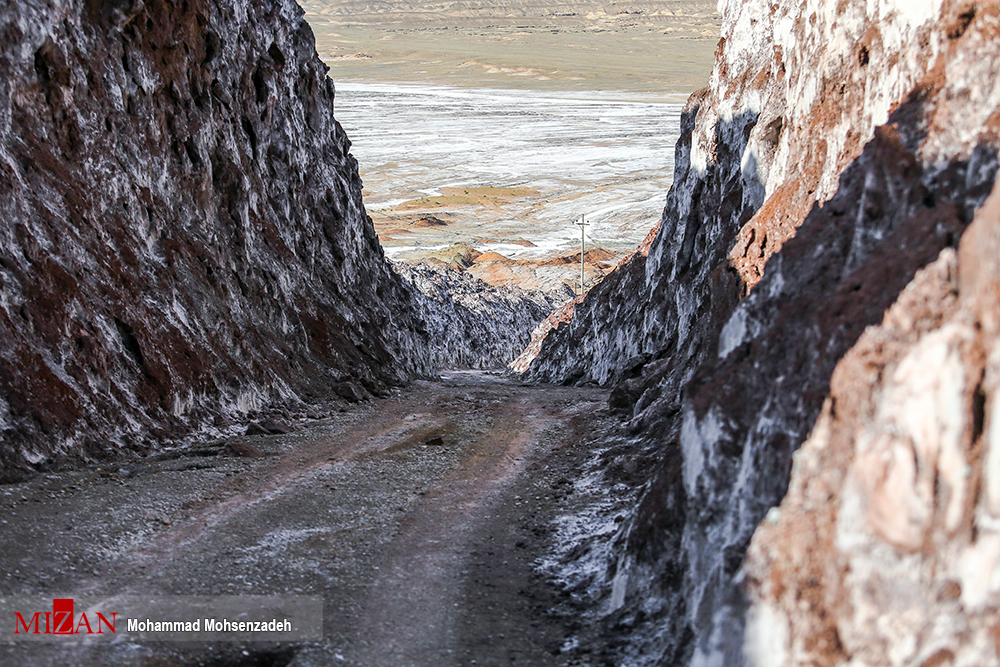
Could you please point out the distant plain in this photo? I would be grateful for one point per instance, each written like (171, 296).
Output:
(542, 111)
(659, 46)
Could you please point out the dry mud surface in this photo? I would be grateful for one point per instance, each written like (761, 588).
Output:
(425, 550)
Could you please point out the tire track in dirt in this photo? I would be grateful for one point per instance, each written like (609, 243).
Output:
(410, 618)
(406, 514)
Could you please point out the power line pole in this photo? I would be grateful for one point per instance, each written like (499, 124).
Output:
(583, 223)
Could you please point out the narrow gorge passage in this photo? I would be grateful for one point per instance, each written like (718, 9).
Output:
(418, 517)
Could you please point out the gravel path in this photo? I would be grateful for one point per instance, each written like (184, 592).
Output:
(418, 518)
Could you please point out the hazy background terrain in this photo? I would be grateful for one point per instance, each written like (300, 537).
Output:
(662, 46)
(506, 121)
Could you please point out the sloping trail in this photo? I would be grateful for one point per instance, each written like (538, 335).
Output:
(417, 517)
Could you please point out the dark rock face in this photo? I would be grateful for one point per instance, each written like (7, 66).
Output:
(472, 324)
(818, 173)
(671, 301)
(747, 410)
(182, 239)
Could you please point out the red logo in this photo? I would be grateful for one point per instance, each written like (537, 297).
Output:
(62, 621)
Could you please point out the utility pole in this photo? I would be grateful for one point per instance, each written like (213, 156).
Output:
(583, 223)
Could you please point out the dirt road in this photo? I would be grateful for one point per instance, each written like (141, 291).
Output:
(418, 518)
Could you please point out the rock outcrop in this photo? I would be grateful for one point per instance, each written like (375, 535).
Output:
(557, 276)
(473, 324)
(557, 317)
(839, 148)
(182, 240)
(886, 549)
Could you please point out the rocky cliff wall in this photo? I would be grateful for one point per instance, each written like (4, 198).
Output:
(797, 91)
(182, 240)
(473, 324)
(839, 148)
(886, 550)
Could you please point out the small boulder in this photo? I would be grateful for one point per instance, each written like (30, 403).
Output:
(257, 429)
(275, 427)
(243, 450)
(349, 391)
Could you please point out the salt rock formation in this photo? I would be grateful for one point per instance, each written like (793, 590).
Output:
(473, 324)
(886, 550)
(183, 240)
(839, 148)
(557, 317)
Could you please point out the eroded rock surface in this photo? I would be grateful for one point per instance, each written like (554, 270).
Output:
(182, 240)
(839, 148)
(887, 547)
(472, 324)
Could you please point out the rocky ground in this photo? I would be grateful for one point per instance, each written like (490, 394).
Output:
(418, 517)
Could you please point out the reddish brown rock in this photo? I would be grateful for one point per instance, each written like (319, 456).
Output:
(558, 278)
(590, 256)
(889, 530)
(429, 221)
(182, 239)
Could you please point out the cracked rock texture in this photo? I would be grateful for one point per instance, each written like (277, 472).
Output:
(182, 241)
(473, 324)
(839, 148)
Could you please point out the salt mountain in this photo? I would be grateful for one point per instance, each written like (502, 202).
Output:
(184, 242)
(826, 277)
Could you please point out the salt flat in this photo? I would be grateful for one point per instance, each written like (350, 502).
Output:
(502, 166)
(496, 125)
